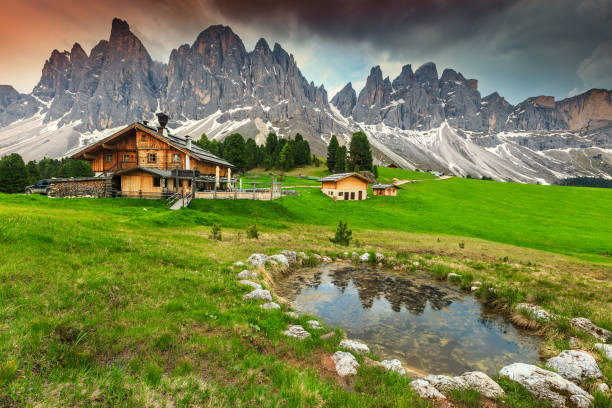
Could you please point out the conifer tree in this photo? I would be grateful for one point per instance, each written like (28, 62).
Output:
(331, 153)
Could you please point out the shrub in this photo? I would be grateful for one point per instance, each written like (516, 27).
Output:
(252, 232)
(215, 233)
(462, 245)
(343, 234)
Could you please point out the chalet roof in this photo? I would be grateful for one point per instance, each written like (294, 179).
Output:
(342, 176)
(172, 140)
(384, 186)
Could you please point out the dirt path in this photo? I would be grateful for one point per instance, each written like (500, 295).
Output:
(398, 182)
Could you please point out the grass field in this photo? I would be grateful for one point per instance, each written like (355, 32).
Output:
(120, 302)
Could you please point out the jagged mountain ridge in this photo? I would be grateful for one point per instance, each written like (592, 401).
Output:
(216, 86)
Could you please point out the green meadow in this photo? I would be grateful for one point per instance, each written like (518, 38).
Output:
(120, 302)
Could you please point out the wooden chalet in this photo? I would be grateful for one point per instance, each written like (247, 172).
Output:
(345, 186)
(144, 161)
(385, 189)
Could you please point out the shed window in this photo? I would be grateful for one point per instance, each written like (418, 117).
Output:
(126, 157)
(152, 157)
(109, 158)
(156, 182)
(176, 158)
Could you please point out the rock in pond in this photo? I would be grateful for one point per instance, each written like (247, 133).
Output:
(259, 294)
(575, 365)
(536, 311)
(355, 346)
(345, 362)
(270, 306)
(587, 326)
(547, 386)
(296, 331)
(425, 390)
(606, 349)
(247, 274)
(394, 365)
(290, 255)
(258, 259)
(281, 259)
(250, 283)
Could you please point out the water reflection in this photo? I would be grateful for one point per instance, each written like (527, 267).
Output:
(429, 325)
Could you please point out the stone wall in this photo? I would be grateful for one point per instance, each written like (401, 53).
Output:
(86, 187)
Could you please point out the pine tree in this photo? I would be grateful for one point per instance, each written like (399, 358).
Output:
(49, 168)
(340, 161)
(360, 153)
(33, 172)
(285, 159)
(233, 150)
(343, 235)
(75, 168)
(204, 143)
(251, 153)
(13, 174)
(331, 153)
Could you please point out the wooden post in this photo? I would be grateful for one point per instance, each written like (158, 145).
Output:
(217, 185)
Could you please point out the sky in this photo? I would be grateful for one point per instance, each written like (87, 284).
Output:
(519, 48)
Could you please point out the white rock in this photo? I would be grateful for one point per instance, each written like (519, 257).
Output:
(355, 346)
(575, 365)
(416, 263)
(346, 254)
(445, 383)
(483, 384)
(426, 390)
(474, 288)
(296, 331)
(292, 315)
(281, 259)
(270, 306)
(250, 283)
(259, 294)
(302, 255)
(394, 365)
(548, 386)
(365, 257)
(290, 255)
(247, 274)
(258, 259)
(606, 349)
(314, 324)
(536, 311)
(354, 254)
(379, 257)
(603, 388)
(239, 263)
(327, 259)
(316, 256)
(453, 275)
(346, 363)
(587, 326)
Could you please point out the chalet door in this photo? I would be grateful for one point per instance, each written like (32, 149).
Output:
(352, 195)
(359, 194)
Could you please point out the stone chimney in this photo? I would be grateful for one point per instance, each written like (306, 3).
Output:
(188, 140)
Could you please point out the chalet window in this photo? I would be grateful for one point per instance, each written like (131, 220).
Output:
(143, 138)
(126, 157)
(109, 158)
(156, 182)
(176, 158)
(152, 158)
(353, 195)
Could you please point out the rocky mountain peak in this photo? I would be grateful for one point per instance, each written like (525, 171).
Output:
(78, 56)
(345, 100)
(404, 78)
(427, 76)
(263, 47)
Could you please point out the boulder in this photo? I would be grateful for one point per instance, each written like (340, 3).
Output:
(259, 294)
(445, 383)
(394, 365)
(536, 311)
(365, 257)
(603, 388)
(345, 362)
(317, 257)
(379, 257)
(606, 349)
(281, 259)
(250, 283)
(547, 386)
(296, 331)
(327, 259)
(483, 384)
(587, 326)
(425, 390)
(247, 274)
(474, 288)
(355, 346)
(575, 365)
(314, 324)
(258, 259)
(290, 255)
(270, 306)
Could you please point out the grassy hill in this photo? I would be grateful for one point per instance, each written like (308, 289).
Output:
(120, 302)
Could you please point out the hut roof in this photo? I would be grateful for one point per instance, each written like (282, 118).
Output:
(342, 176)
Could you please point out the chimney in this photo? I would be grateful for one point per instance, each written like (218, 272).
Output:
(187, 158)
(188, 140)
(162, 118)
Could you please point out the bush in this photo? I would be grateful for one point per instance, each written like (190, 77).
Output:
(252, 232)
(343, 234)
(215, 233)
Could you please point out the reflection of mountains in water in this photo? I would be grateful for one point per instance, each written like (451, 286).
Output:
(371, 284)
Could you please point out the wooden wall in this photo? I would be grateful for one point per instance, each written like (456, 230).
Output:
(139, 181)
(351, 184)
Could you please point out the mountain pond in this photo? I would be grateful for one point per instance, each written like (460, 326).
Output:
(431, 326)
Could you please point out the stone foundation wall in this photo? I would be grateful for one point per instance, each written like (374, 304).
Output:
(81, 188)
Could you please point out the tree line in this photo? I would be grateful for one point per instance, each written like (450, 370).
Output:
(276, 153)
(358, 156)
(598, 182)
(15, 174)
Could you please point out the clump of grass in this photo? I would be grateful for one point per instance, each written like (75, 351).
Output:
(440, 271)
(465, 398)
(215, 233)
(251, 232)
(462, 245)
(8, 371)
(153, 374)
